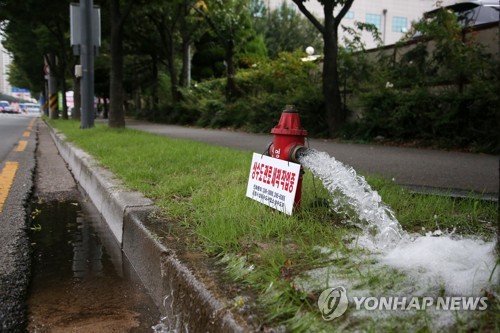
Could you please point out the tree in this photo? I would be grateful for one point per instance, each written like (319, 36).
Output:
(34, 29)
(285, 30)
(191, 28)
(208, 60)
(171, 34)
(230, 22)
(101, 77)
(26, 67)
(117, 18)
(335, 116)
(159, 37)
(144, 52)
(454, 57)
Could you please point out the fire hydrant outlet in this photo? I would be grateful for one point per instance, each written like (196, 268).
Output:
(296, 152)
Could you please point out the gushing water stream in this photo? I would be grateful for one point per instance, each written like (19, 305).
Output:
(463, 266)
(381, 229)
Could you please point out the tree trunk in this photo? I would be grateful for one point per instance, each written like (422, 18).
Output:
(230, 70)
(185, 46)
(335, 116)
(138, 105)
(331, 84)
(62, 66)
(106, 108)
(154, 94)
(172, 70)
(65, 104)
(116, 112)
(77, 99)
(186, 59)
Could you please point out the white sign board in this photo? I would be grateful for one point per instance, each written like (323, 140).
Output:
(273, 182)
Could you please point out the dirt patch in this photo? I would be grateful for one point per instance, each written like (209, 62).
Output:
(96, 305)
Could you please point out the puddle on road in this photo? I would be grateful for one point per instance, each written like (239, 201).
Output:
(80, 280)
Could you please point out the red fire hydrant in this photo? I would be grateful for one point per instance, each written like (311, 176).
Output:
(288, 139)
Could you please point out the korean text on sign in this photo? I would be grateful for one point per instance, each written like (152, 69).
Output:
(273, 182)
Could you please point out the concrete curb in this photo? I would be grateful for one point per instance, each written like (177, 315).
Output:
(106, 192)
(187, 303)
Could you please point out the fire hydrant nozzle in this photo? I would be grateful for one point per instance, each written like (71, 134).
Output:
(296, 153)
(288, 141)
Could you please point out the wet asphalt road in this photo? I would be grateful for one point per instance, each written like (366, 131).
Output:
(42, 174)
(422, 170)
(53, 182)
(11, 130)
(14, 240)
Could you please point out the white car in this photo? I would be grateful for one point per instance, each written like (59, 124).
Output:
(4, 105)
(31, 108)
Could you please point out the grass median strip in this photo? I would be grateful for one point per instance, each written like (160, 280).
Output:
(201, 189)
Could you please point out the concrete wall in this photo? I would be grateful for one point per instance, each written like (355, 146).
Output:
(486, 35)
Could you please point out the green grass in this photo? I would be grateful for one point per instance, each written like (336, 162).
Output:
(201, 190)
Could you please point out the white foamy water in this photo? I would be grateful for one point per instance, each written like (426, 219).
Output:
(462, 266)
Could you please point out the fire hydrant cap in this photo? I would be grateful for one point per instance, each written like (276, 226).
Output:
(289, 123)
(290, 109)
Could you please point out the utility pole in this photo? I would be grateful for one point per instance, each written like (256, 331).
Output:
(87, 62)
(85, 39)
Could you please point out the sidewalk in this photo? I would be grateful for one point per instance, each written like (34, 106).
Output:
(422, 170)
(53, 179)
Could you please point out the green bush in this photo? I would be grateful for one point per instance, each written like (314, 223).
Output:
(447, 118)
(264, 89)
(445, 95)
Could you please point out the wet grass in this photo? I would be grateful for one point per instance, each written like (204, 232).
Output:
(202, 189)
(420, 213)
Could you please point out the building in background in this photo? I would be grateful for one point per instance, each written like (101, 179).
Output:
(5, 87)
(392, 18)
(5, 60)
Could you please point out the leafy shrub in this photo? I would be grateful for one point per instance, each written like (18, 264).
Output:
(445, 94)
(445, 117)
(265, 89)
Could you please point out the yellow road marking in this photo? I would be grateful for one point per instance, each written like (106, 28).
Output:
(21, 146)
(32, 122)
(26, 134)
(6, 180)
